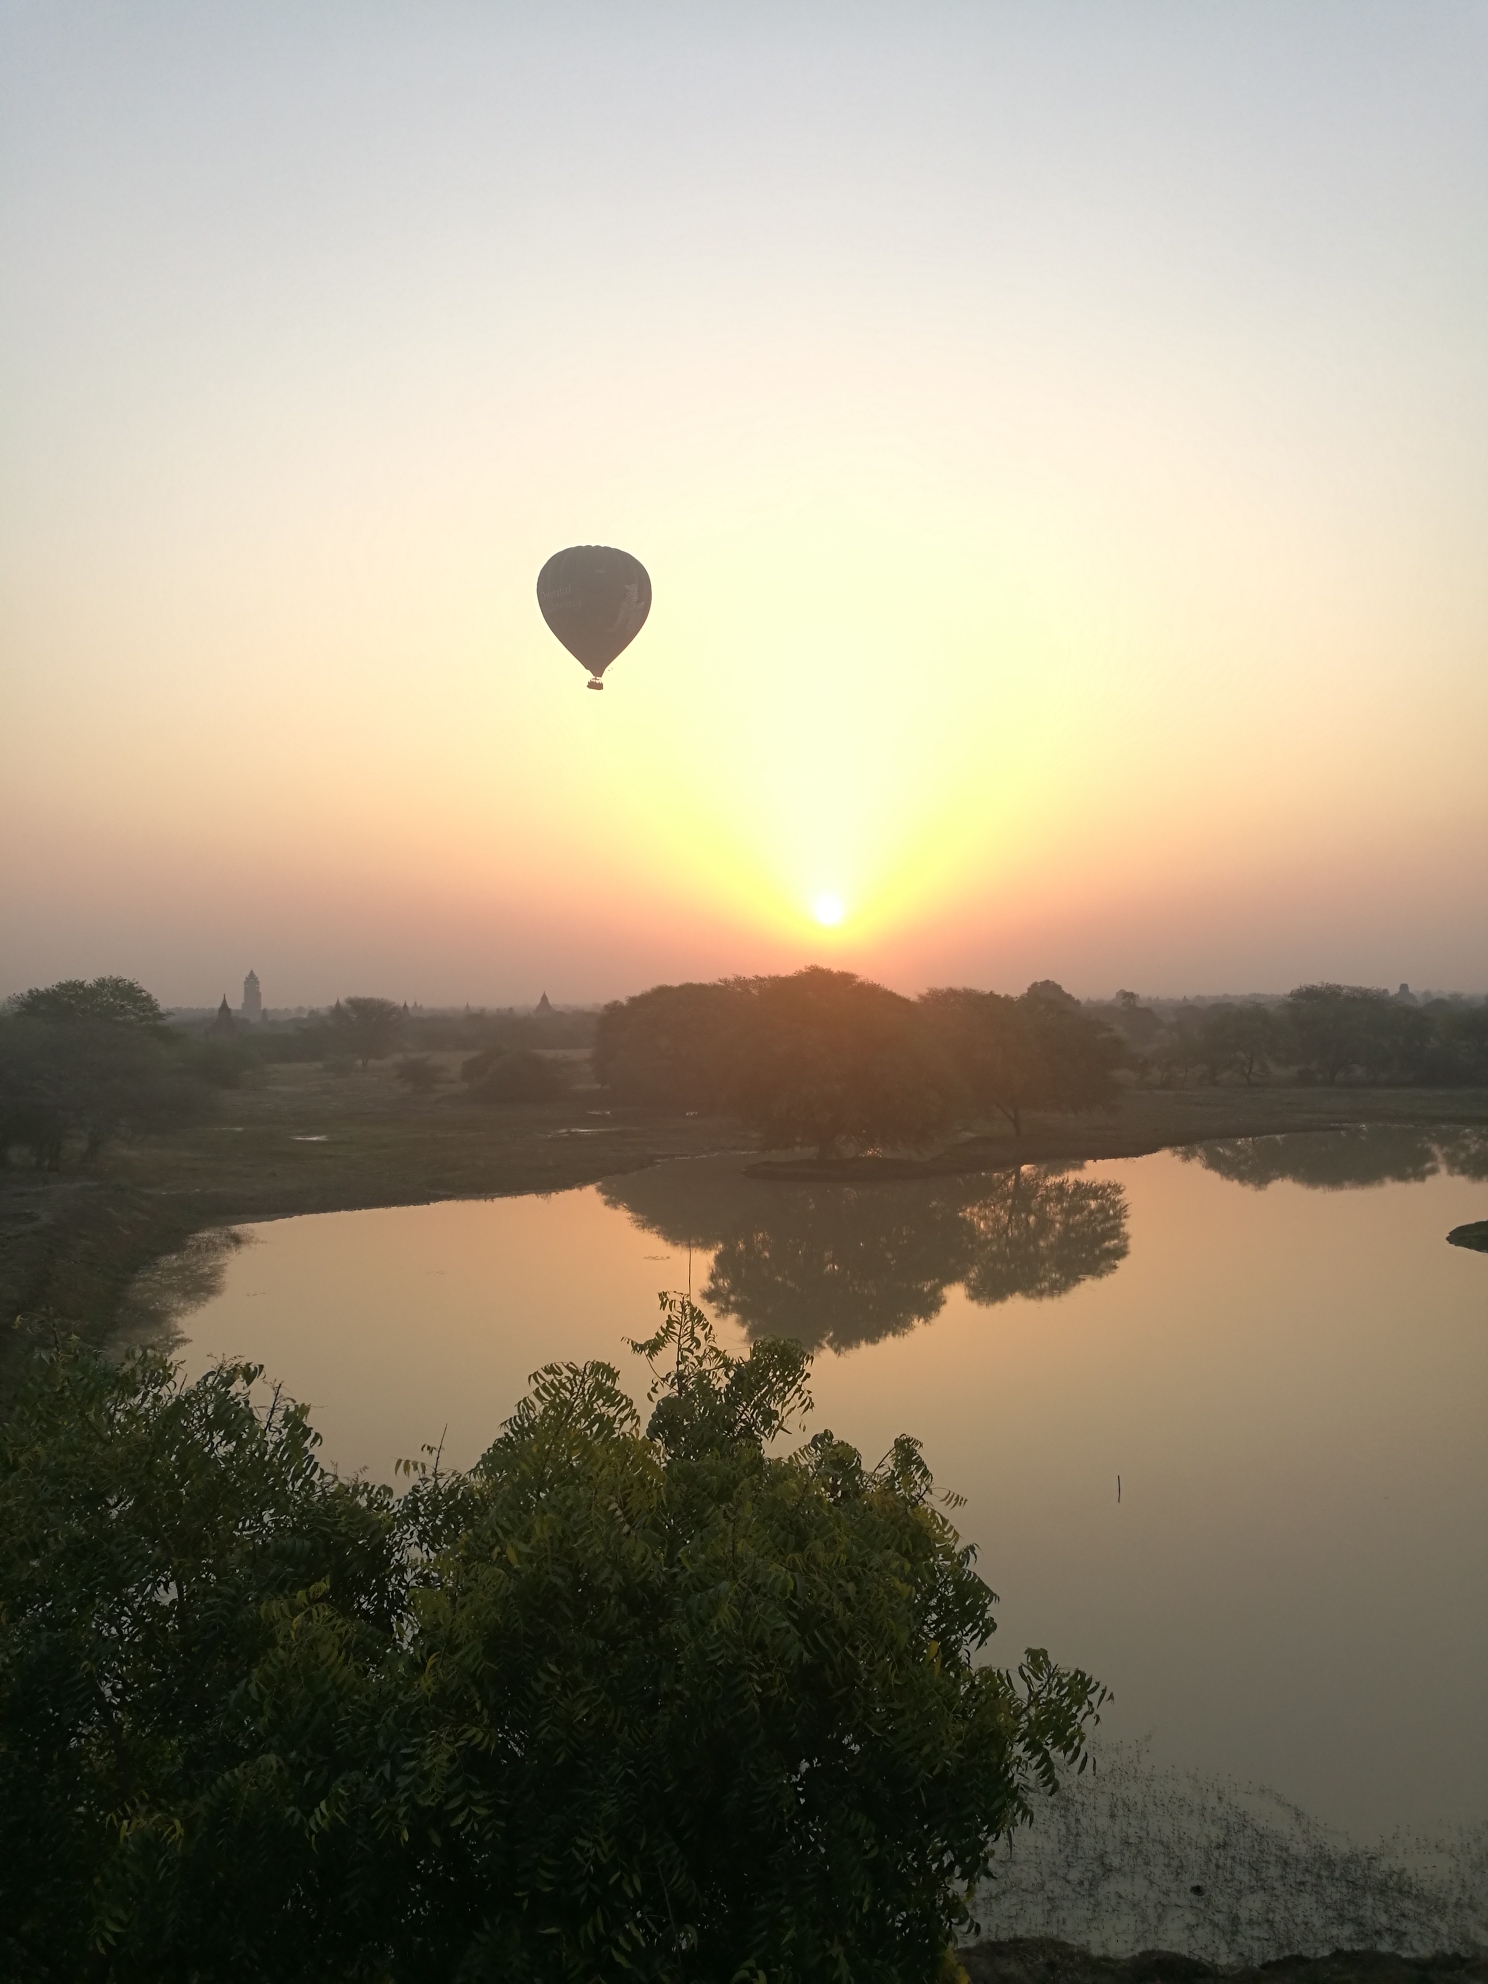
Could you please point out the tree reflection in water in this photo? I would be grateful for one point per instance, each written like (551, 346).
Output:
(1347, 1159)
(838, 1265)
(175, 1285)
(1041, 1233)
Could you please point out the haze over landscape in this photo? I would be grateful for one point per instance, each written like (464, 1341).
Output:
(1055, 435)
(868, 1249)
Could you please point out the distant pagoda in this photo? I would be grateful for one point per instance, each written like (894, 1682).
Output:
(544, 1005)
(252, 999)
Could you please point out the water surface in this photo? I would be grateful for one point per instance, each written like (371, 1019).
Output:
(1268, 1342)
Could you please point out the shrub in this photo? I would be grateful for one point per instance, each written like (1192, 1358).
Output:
(417, 1073)
(520, 1076)
(224, 1063)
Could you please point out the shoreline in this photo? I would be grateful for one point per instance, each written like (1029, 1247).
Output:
(306, 1142)
(1074, 1145)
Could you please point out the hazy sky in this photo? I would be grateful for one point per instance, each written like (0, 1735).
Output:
(1057, 435)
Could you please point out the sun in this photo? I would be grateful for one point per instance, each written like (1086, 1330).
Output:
(828, 910)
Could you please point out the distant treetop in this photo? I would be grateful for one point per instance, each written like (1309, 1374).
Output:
(1052, 992)
(120, 1001)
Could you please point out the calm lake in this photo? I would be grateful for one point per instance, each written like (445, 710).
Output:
(1268, 1343)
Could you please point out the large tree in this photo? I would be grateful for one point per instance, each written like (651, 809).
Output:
(82, 1060)
(1238, 1039)
(1039, 1052)
(828, 1057)
(674, 1047)
(367, 1029)
(1347, 1029)
(111, 1000)
(618, 1704)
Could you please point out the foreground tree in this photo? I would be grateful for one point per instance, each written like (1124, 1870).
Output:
(616, 1704)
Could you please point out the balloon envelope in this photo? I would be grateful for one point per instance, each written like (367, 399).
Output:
(596, 600)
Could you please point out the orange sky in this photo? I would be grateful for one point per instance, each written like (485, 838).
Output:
(1055, 435)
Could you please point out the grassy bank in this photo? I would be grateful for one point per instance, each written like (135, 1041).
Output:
(302, 1141)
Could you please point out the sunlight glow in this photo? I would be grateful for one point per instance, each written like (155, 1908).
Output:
(827, 909)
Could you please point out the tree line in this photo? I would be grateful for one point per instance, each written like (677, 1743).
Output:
(820, 1058)
(828, 1059)
(86, 1060)
(621, 1702)
(1319, 1033)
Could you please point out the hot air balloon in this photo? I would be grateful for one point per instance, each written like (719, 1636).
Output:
(596, 600)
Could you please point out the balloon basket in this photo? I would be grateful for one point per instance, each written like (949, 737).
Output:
(594, 685)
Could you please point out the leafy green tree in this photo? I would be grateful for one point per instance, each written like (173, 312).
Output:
(223, 1062)
(148, 1532)
(1039, 1052)
(1402, 1043)
(1136, 1023)
(989, 1042)
(86, 1059)
(1329, 1025)
(616, 1704)
(674, 1047)
(113, 1000)
(367, 1029)
(418, 1074)
(1462, 1037)
(1237, 1039)
(520, 1074)
(1345, 1029)
(828, 1057)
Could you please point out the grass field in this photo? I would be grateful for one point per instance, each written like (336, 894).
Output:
(311, 1141)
